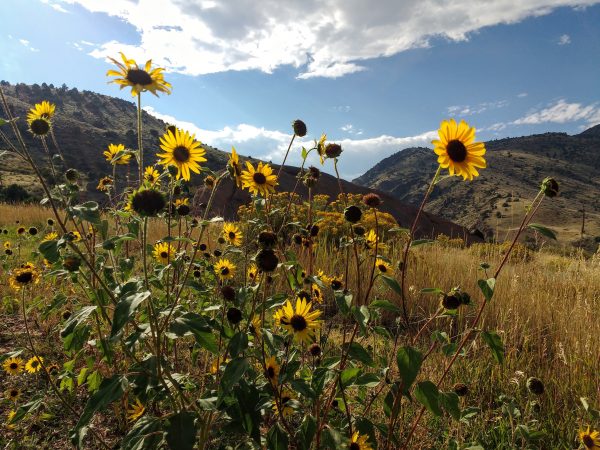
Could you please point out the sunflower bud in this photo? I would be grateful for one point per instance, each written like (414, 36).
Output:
(33, 231)
(209, 181)
(234, 315)
(550, 187)
(535, 385)
(267, 260)
(333, 150)
(359, 230)
(352, 214)
(148, 202)
(314, 349)
(299, 128)
(460, 389)
(451, 300)
(72, 263)
(267, 239)
(228, 293)
(372, 200)
(71, 175)
(297, 238)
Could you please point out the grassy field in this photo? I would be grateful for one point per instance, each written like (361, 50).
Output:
(544, 309)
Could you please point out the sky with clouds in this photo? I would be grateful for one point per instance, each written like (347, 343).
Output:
(377, 77)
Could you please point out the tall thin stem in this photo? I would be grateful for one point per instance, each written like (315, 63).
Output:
(139, 131)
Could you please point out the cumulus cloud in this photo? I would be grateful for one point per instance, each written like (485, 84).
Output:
(321, 38)
(25, 43)
(467, 110)
(565, 39)
(562, 112)
(271, 145)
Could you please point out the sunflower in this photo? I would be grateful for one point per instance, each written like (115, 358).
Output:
(358, 442)
(44, 110)
(74, 235)
(372, 240)
(286, 396)
(232, 233)
(117, 149)
(105, 184)
(457, 150)
(299, 320)
(181, 149)
(163, 252)
(224, 269)
(216, 364)
(13, 394)
(9, 418)
(383, 267)
(590, 440)
(234, 167)
(39, 126)
(321, 148)
(23, 276)
(253, 273)
(316, 293)
(21, 230)
(272, 370)
(34, 364)
(260, 181)
(255, 326)
(7, 244)
(151, 175)
(135, 410)
(13, 366)
(140, 80)
(50, 236)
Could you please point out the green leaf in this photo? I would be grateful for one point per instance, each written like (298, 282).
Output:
(494, 341)
(49, 249)
(198, 326)
(303, 388)
(418, 242)
(369, 380)
(409, 362)
(427, 394)
(131, 295)
(233, 372)
(277, 438)
(543, 230)
(181, 431)
(88, 211)
(362, 316)
(110, 390)
(238, 343)
(431, 291)
(450, 402)
(385, 305)
(357, 352)
(487, 287)
(27, 408)
(306, 433)
(146, 434)
(344, 301)
(76, 319)
(348, 376)
(392, 284)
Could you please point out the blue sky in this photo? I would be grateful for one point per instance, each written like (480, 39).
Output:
(375, 79)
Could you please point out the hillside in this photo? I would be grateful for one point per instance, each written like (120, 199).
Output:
(86, 122)
(495, 201)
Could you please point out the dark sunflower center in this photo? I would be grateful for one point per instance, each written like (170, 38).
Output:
(197, 273)
(354, 446)
(181, 154)
(225, 271)
(456, 150)
(231, 235)
(259, 178)
(285, 399)
(14, 366)
(298, 322)
(34, 364)
(24, 277)
(14, 393)
(163, 255)
(139, 76)
(382, 268)
(270, 372)
(588, 441)
(40, 126)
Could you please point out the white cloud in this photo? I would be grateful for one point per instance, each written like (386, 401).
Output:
(466, 110)
(26, 43)
(562, 112)
(565, 39)
(55, 6)
(271, 145)
(322, 38)
(522, 95)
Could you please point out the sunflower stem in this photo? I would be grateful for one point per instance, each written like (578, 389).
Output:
(139, 132)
